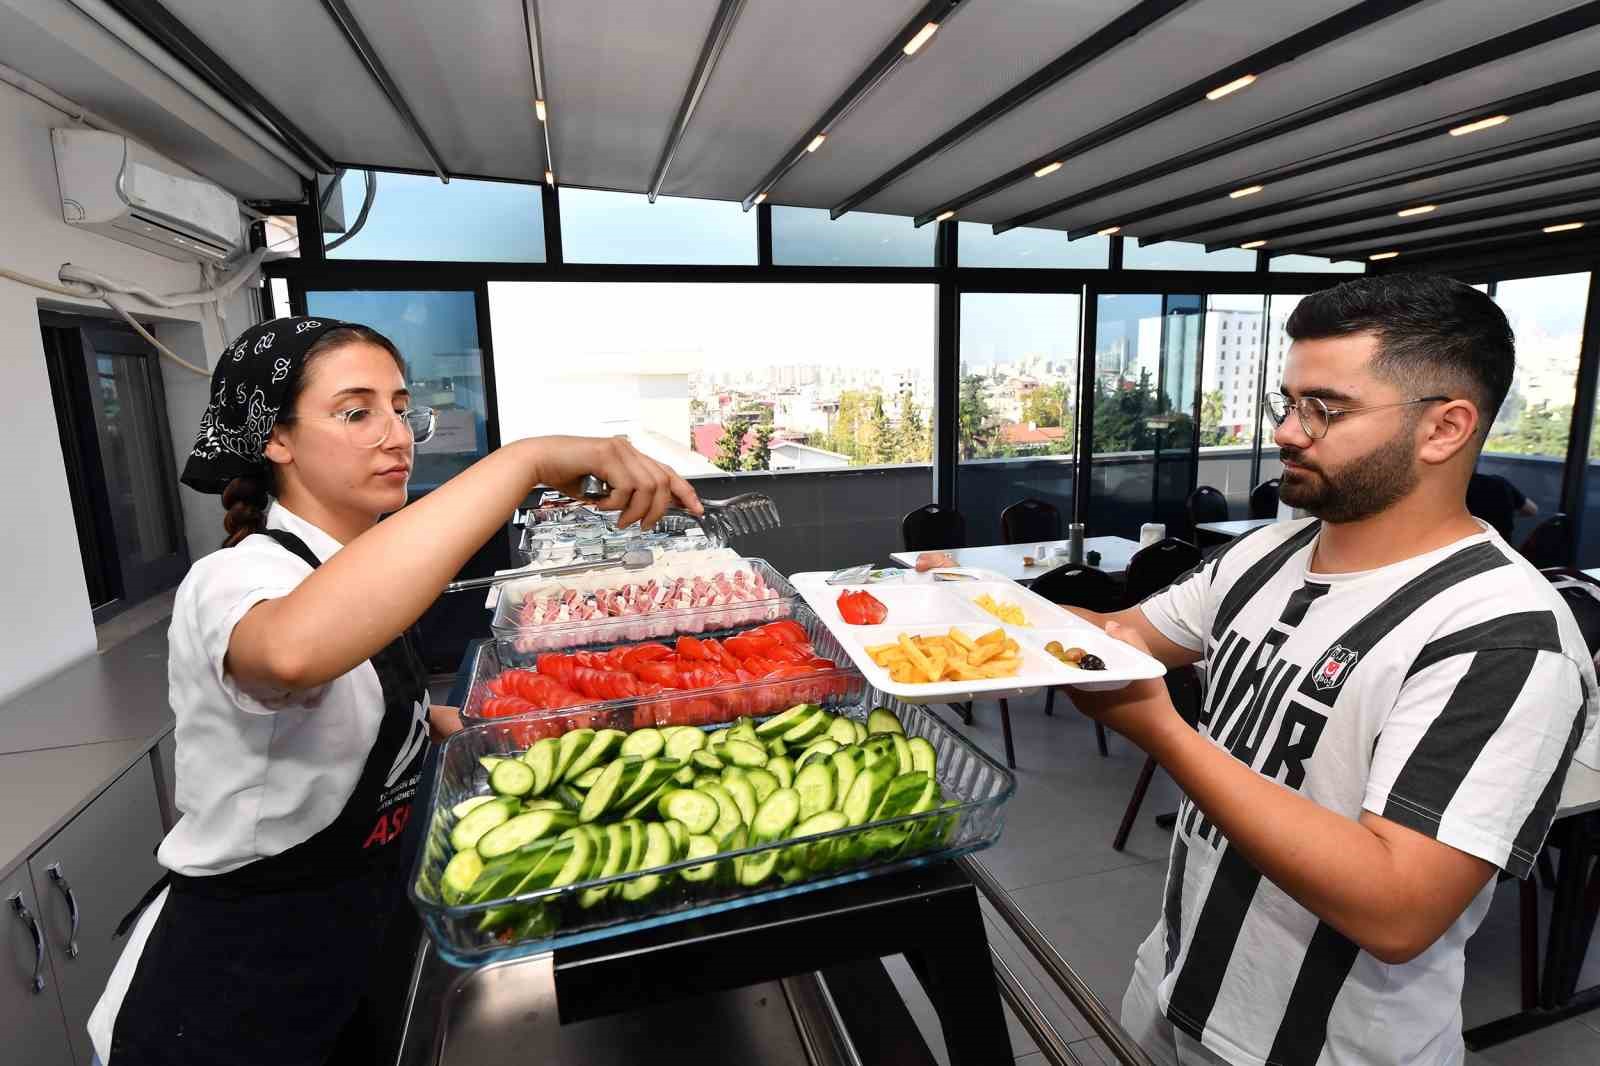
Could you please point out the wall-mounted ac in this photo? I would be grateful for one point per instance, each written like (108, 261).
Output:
(119, 188)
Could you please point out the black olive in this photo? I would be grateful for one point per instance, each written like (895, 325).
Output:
(1091, 662)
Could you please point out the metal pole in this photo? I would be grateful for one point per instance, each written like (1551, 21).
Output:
(1044, 1034)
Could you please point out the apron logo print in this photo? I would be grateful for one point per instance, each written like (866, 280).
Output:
(1334, 668)
(415, 741)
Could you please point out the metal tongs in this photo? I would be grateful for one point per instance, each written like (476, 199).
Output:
(749, 512)
(633, 559)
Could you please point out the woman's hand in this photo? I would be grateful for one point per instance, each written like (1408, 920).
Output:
(641, 488)
(1139, 710)
(443, 721)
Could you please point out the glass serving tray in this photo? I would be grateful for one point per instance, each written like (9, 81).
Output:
(975, 786)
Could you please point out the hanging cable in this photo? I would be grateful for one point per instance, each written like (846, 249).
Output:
(361, 217)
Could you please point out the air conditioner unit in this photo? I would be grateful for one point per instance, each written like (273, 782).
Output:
(121, 189)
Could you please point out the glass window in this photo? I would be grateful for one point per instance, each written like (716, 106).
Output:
(437, 333)
(622, 227)
(806, 236)
(1279, 308)
(1180, 255)
(1025, 246)
(1228, 416)
(414, 217)
(1314, 264)
(1527, 443)
(280, 298)
(1018, 397)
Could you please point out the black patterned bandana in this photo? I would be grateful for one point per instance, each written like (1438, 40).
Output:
(248, 387)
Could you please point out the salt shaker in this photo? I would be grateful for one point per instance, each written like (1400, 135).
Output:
(1075, 543)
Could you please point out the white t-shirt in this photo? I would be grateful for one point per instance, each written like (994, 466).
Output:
(254, 777)
(1446, 693)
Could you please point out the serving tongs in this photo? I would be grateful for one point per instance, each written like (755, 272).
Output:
(748, 512)
(632, 559)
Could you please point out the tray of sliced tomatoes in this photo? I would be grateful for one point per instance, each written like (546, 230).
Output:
(692, 680)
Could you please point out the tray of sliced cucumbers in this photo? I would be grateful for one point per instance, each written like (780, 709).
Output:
(596, 832)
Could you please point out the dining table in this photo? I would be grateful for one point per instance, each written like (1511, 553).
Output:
(1237, 527)
(1010, 560)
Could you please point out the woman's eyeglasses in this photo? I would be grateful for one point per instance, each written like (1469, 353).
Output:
(1316, 417)
(367, 427)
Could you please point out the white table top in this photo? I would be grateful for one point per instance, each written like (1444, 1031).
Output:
(1236, 527)
(1006, 559)
(1581, 792)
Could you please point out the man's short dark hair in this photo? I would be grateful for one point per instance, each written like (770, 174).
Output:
(1435, 335)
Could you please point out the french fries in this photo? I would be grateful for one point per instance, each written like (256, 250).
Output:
(952, 657)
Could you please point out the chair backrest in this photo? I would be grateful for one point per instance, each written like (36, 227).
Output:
(1030, 520)
(1582, 594)
(1076, 585)
(1154, 568)
(1264, 499)
(1550, 543)
(1206, 504)
(1493, 499)
(931, 527)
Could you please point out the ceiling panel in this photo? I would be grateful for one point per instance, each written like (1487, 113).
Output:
(294, 55)
(1534, 219)
(468, 80)
(783, 66)
(616, 72)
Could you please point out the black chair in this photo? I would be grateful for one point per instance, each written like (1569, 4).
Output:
(1030, 520)
(1091, 589)
(1155, 567)
(1550, 543)
(932, 527)
(1187, 692)
(1264, 499)
(1206, 504)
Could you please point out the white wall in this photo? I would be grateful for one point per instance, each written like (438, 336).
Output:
(45, 618)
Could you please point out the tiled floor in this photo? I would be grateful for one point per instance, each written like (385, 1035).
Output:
(1096, 905)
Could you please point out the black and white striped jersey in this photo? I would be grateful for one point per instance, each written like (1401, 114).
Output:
(1447, 693)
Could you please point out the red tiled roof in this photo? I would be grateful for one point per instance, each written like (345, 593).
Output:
(1026, 433)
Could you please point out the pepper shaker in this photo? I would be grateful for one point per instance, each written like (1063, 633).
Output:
(1075, 543)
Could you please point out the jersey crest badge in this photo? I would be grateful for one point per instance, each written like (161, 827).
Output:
(1334, 668)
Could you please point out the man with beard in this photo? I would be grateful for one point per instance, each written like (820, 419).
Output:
(1393, 699)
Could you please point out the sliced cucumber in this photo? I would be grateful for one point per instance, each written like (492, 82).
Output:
(614, 781)
(847, 764)
(587, 779)
(815, 785)
(744, 796)
(731, 772)
(481, 819)
(489, 762)
(684, 777)
(570, 798)
(653, 773)
(843, 731)
(923, 757)
(808, 727)
(882, 720)
(613, 862)
(542, 759)
(754, 869)
(646, 743)
(697, 811)
(522, 830)
(701, 780)
(551, 861)
(680, 837)
(718, 737)
(929, 799)
(648, 802)
(818, 856)
(460, 810)
(705, 759)
(459, 874)
(728, 815)
(700, 847)
(542, 805)
(779, 723)
(818, 750)
(500, 878)
(744, 728)
(657, 852)
(867, 791)
(776, 817)
(599, 749)
(776, 748)
(745, 752)
(783, 769)
(763, 782)
(902, 795)
(822, 822)
(568, 749)
(585, 842)
(902, 752)
(861, 731)
(684, 743)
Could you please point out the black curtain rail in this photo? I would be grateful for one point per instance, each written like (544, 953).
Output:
(1440, 216)
(356, 38)
(1108, 37)
(1518, 103)
(1502, 260)
(716, 40)
(530, 26)
(1530, 229)
(1544, 31)
(1350, 20)
(168, 31)
(883, 64)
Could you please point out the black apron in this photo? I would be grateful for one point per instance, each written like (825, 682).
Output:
(272, 963)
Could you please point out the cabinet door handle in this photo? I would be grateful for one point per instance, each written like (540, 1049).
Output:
(38, 941)
(60, 879)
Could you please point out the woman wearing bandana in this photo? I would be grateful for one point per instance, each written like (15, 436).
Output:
(301, 704)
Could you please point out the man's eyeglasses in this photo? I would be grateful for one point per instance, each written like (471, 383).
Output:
(1316, 416)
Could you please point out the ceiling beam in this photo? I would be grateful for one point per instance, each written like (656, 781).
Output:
(1108, 37)
(155, 20)
(716, 40)
(530, 26)
(1583, 17)
(1532, 228)
(1520, 103)
(356, 37)
(882, 65)
(1330, 29)
(1397, 233)
(1434, 200)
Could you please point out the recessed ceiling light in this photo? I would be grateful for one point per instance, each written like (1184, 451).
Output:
(945, 216)
(1108, 231)
(1482, 124)
(538, 109)
(1232, 87)
(1247, 245)
(1563, 227)
(1421, 209)
(816, 142)
(1382, 255)
(549, 177)
(1049, 168)
(920, 39)
(1248, 190)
